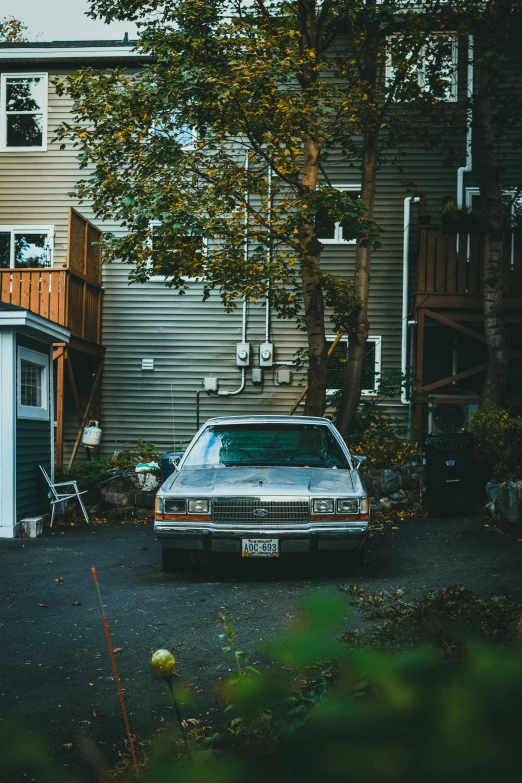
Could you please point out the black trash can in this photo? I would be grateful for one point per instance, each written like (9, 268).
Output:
(449, 473)
(167, 463)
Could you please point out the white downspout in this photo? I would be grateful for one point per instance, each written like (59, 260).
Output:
(233, 392)
(408, 201)
(469, 160)
(269, 256)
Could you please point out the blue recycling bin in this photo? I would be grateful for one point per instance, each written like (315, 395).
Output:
(167, 463)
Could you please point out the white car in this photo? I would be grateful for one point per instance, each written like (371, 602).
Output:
(263, 486)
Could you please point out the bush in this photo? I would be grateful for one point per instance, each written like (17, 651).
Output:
(90, 473)
(375, 433)
(498, 443)
(333, 712)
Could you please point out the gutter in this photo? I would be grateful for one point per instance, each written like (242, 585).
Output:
(469, 160)
(408, 201)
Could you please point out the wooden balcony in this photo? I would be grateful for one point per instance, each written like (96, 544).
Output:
(449, 269)
(71, 296)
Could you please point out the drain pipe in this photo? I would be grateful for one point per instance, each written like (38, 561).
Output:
(408, 201)
(234, 392)
(269, 256)
(469, 160)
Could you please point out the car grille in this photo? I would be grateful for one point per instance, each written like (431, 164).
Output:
(231, 510)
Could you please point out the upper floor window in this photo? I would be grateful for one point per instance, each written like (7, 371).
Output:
(436, 72)
(26, 247)
(174, 128)
(329, 232)
(23, 112)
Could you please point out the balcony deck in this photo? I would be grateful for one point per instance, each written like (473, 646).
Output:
(70, 296)
(449, 270)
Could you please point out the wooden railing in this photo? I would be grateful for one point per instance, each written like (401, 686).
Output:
(452, 263)
(58, 294)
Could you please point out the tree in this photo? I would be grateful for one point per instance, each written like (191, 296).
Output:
(12, 30)
(496, 104)
(270, 88)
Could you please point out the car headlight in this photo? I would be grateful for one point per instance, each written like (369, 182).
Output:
(347, 506)
(323, 506)
(175, 506)
(198, 506)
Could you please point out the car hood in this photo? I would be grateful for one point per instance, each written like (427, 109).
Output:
(237, 481)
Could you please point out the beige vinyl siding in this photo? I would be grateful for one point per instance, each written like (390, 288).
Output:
(189, 339)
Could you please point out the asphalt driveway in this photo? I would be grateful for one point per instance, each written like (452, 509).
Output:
(55, 671)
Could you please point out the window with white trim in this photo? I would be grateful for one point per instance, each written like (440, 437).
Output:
(437, 71)
(512, 201)
(23, 112)
(32, 384)
(329, 232)
(26, 247)
(198, 241)
(371, 365)
(182, 133)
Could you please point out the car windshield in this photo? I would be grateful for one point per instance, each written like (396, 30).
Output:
(291, 445)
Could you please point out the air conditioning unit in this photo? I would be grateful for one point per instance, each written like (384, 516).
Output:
(448, 417)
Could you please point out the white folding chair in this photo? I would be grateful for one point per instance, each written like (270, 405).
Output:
(56, 496)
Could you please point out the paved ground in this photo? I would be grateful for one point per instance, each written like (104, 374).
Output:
(54, 666)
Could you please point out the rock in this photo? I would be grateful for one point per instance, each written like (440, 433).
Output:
(116, 498)
(507, 504)
(148, 481)
(492, 490)
(389, 483)
(144, 499)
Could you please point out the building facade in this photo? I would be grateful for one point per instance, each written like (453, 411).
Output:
(151, 348)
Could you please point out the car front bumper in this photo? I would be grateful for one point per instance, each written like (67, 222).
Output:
(310, 537)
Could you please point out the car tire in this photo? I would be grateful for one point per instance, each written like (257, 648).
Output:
(174, 560)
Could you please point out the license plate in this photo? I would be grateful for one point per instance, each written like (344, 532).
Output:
(260, 547)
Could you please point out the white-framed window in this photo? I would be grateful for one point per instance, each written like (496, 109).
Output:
(183, 134)
(23, 112)
(26, 247)
(512, 200)
(371, 364)
(440, 62)
(327, 231)
(152, 225)
(32, 384)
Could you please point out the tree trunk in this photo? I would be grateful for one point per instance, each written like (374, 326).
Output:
(313, 300)
(490, 184)
(351, 392)
(315, 402)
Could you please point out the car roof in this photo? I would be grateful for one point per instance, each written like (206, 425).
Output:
(269, 419)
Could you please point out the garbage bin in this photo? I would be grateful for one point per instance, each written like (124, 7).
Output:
(449, 473)
(167, 463)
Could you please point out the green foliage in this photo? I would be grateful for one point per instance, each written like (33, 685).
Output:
(463, 219)
(377, 434)
(12, 30)
(91, 473)
(498, 442)
(442, 618)
(335, 711)
(258, 91)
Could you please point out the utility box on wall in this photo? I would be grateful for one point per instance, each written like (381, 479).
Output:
(242, 354)
(266, 355)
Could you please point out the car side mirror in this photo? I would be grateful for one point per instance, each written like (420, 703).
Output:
(175, 462)
(358, 461)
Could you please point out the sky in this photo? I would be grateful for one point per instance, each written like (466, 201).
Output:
(62, 20)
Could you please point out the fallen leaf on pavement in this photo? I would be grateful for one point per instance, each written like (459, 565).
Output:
(67, 745)
(44, 606)
(59, 580)
(77, 603)
(91, 683)
(117, 649)
(97, 713)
